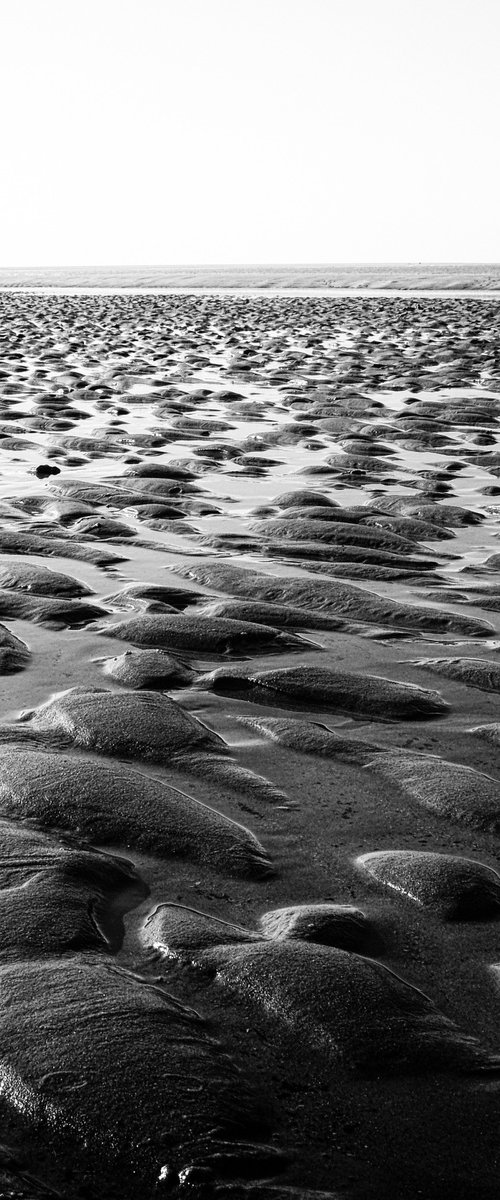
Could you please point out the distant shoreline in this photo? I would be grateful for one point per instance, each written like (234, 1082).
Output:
(336, 278)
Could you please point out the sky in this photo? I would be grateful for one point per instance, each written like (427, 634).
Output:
(148, 132)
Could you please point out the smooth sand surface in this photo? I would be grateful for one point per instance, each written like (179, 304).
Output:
(406, 276)
(249, 737)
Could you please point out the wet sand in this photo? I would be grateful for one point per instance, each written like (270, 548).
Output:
(454, 277)
(249, 737)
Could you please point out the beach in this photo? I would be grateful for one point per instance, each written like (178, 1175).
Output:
(249, 736)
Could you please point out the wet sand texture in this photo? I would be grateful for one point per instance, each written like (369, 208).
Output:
(249, 732)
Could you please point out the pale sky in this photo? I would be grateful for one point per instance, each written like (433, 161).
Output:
(249, 131)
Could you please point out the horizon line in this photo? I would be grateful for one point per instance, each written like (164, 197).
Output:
(256, 265)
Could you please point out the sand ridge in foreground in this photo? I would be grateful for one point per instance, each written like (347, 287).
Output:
(249, 781)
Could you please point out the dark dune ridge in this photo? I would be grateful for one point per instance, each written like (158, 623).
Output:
(57, 900)
(346, 600)
(249, 779)
(361, 695)
(120, 807)
(458, 888)
(352, 1007)
(14, 653)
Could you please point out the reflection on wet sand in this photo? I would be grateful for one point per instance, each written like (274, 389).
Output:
(249, 782)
